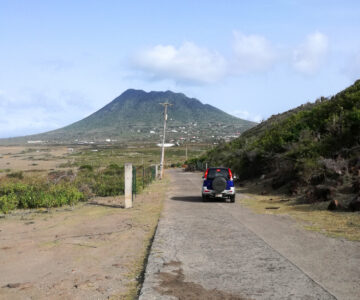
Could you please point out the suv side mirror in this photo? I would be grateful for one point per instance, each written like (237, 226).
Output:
(202, 177)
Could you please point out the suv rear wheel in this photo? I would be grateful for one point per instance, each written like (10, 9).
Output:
(232, 198)
(219, 184)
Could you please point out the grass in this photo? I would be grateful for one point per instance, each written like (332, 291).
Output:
(87, 173)
(18, 194)
(139, 155)
(90, 176)
(147, 217)
(313, 217)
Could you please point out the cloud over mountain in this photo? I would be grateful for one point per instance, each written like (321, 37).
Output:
(33, 111)
(252, 52)
(188, 62)
(308, 57)
(246, 115)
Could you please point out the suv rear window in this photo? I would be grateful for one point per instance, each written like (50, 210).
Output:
(216, 172)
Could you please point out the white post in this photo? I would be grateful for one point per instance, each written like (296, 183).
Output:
(157, 171)
(128, 185)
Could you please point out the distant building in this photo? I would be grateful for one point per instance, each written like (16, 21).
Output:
(166, 145)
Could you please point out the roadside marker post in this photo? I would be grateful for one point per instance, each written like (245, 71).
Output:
(143, 176)
(128, 185)
(156, 171)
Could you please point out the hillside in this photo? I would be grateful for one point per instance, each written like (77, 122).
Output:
(137, 115)
(312, 151)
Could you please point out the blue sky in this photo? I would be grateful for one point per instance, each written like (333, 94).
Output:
(62, 60)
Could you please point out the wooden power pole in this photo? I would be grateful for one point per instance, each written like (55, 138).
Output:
(166, 104)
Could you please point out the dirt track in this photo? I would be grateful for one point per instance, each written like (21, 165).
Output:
(218, 250)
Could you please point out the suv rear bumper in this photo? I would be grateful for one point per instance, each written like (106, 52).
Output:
(212, 193)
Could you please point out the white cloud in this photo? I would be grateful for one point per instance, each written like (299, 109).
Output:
(32, 111)
(252, 53)
(352, 68)
(309, 56)
(22, 122)
(244, 114)
(188, 63)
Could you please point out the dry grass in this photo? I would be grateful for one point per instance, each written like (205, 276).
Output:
(313, 217)
(149, 218)
(25, 158)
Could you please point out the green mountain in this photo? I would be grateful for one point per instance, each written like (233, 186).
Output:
(312, 151)
(138, 116)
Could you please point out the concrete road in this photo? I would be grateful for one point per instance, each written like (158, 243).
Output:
(217, 250)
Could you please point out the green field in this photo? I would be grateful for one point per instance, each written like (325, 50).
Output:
(82, 173)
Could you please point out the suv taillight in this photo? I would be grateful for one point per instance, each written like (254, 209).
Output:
(206, 173)
(230, 174)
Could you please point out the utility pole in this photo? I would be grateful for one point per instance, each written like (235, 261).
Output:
(166, 104)
(186, 157)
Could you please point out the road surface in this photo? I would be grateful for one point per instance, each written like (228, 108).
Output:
(217, 250)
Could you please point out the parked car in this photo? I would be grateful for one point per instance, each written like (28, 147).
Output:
(218, 183)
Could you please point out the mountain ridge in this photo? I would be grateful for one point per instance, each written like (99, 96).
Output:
(134, 113)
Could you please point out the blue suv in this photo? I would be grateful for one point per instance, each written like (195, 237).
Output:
(218, 183)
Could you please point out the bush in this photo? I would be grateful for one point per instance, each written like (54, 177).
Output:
(35, 195)
(114, 169)
(106, 182)
(8, 203)
(18, 175)
(86, 168)
(106, 185)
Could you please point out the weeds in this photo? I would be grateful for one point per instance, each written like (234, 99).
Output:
(83, 175)
(18, 175)
(34, 195)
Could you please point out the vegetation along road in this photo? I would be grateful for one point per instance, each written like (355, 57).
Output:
(216, 250)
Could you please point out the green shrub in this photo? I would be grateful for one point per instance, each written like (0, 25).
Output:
(86, 168)
(106, 185)
(18, 175)
(8, 202)
(21, 195)
(114, 169)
